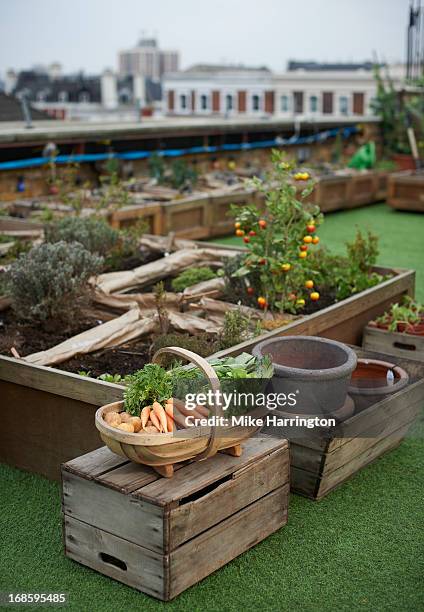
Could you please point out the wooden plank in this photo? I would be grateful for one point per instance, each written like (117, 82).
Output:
(52, 429)
(203, 555)
(337, 477)
(133, 565)
(196, 476)
(243, 488)
(357, 446)
(394, 343)
(121, 515)
(93, 464)
(58, 382)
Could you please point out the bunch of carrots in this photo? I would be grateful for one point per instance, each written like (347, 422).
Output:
(156, 418)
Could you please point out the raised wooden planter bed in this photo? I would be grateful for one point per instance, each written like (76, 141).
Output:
(221, 223)
(187, 218)
(405, 345)
(381, 184)
(331, 193)
(172, 533)
(57, 408)
(129, 215)
(319, 465)
(406, 191)
(361, 189)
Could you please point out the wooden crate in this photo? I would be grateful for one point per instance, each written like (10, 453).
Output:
(394, 343)
(320, 464)
(361, 189)
(162, 536)
(381, 184)
(129, 215)
(187, 218)
(406, 191)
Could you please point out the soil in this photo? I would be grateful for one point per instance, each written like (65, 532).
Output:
(122, 360)
(28, 339)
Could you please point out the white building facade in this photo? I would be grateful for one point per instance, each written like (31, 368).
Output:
(296, 94)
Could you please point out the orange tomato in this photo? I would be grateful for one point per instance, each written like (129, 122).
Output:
(307, 239)
(239, 232)
(302, 254)
(262, 223)
(315, 240)
(309, 284)
(314, 296)
(285, 267)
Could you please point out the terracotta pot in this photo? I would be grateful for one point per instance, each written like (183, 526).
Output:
(316, 371)
(371, 381)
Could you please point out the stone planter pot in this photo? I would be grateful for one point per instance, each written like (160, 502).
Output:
(316, 370)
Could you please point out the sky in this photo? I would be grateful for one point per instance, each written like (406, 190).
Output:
(87, 34)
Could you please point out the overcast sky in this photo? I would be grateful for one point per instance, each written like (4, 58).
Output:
(86, 34)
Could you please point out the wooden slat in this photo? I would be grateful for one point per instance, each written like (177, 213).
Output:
(65, 384)
(394, 343)
(303, 482)
(120, 515)
(196, 476)
(244, 487)
(95, 463)
(339, 476)
(217, 546)
(145, 569)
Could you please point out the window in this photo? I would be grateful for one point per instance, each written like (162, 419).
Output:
(284, 104)
(327, 102)
(228, 102)
(204, 102)
(63, 96)
(255, 103)
(313, 104)
(343, 105)
(298, 102)
(183, 102)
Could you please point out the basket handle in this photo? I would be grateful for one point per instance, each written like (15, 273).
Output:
(209, 372)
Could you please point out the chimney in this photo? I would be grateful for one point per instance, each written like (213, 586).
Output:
(139, 89)
(108, 87)
(10, 81)
(55, 71)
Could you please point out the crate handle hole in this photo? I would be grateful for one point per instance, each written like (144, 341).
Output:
(113, 561)
(405, 347)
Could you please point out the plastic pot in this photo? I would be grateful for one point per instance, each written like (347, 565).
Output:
(315, 371)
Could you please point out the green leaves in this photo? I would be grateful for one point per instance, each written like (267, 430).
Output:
(146, 386)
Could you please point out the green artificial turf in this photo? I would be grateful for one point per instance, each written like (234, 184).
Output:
(401, 236)
(358, 549)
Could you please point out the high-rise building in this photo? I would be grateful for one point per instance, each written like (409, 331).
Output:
(148, 60)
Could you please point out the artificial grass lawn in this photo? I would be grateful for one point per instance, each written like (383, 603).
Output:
(357, 549)
(401, 236)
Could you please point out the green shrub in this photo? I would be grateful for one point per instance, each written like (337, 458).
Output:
(95, 235)
(237, 328)
(191, 277)
(51, 281)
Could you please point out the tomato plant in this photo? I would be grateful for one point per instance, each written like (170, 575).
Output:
(281, 233)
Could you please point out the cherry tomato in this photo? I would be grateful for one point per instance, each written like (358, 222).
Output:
(309, 284)
(261, 302)
(262, 223)
(302, 254)
(314, 296)
(310, 228)
(285, 267)
(237, 225)
(262, 261)
(246, 239)
(315, 240)
(307, 239)
(252, 233)
(239, 232)
(300, 302)
(250, 290)
(303, 247)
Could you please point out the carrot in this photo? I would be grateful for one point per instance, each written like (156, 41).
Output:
(161, 414)
(155, 421)
(145, 413)
(169, 408)
(170, 423)
(202, 410)
(179, 418)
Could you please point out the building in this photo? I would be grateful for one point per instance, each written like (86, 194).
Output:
(146, 59)
(11, 110)
(306, 91)
(80, 97)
